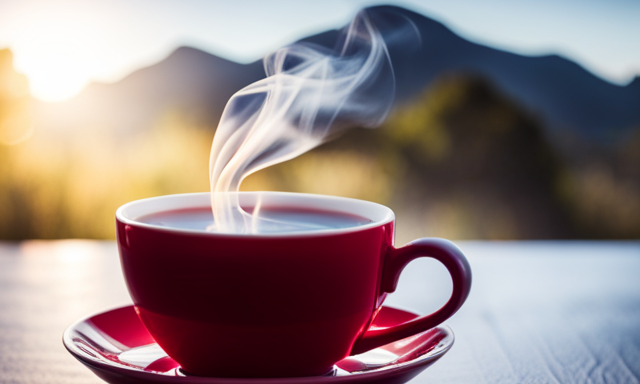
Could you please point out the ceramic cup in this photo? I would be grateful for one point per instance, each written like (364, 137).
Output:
(272, 305)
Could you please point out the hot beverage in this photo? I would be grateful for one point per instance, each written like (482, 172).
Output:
(272, 219)
(212, 299)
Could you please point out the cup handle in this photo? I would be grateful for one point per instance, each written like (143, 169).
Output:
(396, 259)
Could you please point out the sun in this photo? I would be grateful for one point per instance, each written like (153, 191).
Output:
(56, 69)
(54, 79)
(57, 50)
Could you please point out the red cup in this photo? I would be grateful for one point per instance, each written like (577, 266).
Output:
(272, 305)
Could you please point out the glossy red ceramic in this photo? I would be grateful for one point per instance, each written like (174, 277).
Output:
(301, 301)
(116, 346)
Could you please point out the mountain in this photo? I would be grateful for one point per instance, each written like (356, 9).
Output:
(634, 84)
(195, 83)
(561, 92)
(564, 95)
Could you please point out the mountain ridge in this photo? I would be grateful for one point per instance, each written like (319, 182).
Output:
(565, 95)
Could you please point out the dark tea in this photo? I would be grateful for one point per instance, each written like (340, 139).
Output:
(271, 219)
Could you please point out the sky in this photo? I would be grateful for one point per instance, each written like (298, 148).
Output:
(62, 45)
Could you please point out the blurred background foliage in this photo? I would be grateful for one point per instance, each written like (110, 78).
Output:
(462, 160)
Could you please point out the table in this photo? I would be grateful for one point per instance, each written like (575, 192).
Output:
(539, 312)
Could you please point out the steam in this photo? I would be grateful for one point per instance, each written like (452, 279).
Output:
(310, 95)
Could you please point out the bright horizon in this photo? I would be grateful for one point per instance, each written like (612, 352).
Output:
(61, 46)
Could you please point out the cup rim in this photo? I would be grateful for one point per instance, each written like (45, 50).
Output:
(377, 213)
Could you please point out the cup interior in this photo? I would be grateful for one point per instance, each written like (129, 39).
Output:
(378, 214)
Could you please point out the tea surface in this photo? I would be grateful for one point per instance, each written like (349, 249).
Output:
(272, 220)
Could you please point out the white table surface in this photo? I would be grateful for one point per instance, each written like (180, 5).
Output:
(539, 312)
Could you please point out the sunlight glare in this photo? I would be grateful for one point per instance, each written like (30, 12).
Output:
(55, 78)
(57, 70)
(57, 56)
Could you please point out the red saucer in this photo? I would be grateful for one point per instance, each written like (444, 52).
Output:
(117, 347)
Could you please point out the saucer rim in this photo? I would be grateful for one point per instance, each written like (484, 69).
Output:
(380, 373)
